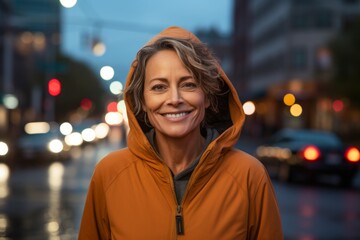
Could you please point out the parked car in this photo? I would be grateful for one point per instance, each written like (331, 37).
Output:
(309, 153)
(40, 147)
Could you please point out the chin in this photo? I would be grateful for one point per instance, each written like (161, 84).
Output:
(177, 133)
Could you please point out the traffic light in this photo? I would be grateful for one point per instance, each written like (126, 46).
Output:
(112, 107)
(54, 87)
(86, 104)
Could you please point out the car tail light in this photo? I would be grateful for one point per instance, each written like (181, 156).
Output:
(352, 154)
(310, 153)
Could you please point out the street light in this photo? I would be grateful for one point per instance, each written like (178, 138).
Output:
(68, 3)
(98, 47)
(107, 73)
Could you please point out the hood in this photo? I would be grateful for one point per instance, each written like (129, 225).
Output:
(228, 121)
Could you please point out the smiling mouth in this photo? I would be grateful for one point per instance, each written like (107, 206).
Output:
(175, 115)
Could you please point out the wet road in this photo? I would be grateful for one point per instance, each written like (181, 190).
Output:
(46, 202)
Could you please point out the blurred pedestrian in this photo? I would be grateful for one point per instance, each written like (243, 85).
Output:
(180, 174)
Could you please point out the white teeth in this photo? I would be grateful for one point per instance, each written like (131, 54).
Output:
(176, 115)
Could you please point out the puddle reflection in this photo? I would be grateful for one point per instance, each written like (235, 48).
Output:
(4, 176)
(37, 205)
(56, 172)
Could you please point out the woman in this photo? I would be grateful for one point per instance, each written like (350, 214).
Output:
(180, 176)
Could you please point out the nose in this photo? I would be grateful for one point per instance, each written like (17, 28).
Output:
(175, 96)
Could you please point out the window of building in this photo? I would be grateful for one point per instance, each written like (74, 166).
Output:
(298, 58)
(323, 19)
(301, 21)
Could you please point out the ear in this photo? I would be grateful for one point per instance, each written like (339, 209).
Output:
(143, 107)
(207, 102)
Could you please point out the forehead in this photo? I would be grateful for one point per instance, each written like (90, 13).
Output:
(163, 56)
(165, 62)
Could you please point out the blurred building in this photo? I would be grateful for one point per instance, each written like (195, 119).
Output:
(280, 46)
(220, 44)
(29, 39)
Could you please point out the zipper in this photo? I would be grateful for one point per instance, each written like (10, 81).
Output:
(179, 221)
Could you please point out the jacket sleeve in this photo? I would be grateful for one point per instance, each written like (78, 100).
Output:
(265, 222)
(95, 224)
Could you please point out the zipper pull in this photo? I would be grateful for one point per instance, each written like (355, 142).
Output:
(179, 221)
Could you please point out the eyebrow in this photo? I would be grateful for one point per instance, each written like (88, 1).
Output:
(166, 80)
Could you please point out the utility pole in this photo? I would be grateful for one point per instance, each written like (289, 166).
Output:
(7, 85)
(8, 48)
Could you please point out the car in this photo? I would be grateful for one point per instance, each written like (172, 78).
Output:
(294, 153)
(40, 146)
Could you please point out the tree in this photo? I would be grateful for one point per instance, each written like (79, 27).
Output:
(345, 50)
(78, 82)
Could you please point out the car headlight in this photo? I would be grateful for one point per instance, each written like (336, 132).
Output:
(74, 139)
(88, 135)
(55, 146)
(4, 149)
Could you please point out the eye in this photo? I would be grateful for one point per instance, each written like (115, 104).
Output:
(189, 85)
(158, 87)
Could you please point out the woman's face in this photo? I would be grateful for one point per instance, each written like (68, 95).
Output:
(173, 100)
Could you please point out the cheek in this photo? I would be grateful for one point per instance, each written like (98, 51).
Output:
(203, 101)
(150, 103)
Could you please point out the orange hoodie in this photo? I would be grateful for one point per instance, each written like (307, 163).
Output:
(229, 194)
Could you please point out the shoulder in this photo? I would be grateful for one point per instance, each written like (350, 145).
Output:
(238, 158)
(116, 160)
(112, 165)
(244, 167)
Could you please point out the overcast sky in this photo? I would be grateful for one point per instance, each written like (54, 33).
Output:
(125, 25)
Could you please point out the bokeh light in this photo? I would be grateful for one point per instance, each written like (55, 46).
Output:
(116, 87)
(289, 99)
(86, 104)
(121, 107)
(107, 73)
(102, 130)
(4, 172)
(74, 139)
(113, 118)
(4, 148)
(56, 172)
(99, 48)
(353, 154)
(55, 146)
(10, 101)
(112, 107)
(66, 128)
(37, 127)
(88, 134)
(338, 105)
(296, 110)
(68, 3)
(249, 108)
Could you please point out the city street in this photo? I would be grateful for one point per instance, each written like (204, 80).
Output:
(46, 202)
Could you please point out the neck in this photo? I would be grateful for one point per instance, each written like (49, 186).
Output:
(179, 153)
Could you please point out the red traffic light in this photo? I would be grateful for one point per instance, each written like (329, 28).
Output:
(86, 104)
(112, 107)
(54, 87)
